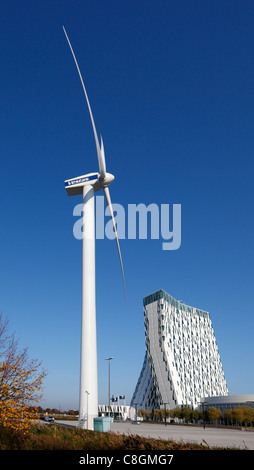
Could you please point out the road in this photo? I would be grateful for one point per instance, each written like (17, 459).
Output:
(212, 436)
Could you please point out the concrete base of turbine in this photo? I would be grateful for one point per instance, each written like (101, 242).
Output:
(83, 424)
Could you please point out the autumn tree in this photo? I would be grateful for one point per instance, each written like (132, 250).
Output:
(228, 416)
(238, 415)
(150, 415)
(20, 382)
(142, 413)
(157, 414)
(165, 414)
(243, 415)
(214, 414)
(175, 412)
(186, 413)
(248, 415)
(196, 415)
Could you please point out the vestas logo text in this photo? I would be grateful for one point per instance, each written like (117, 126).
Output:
(161, 225)
(79, 180)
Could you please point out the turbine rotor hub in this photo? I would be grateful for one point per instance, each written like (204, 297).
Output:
(107, 180)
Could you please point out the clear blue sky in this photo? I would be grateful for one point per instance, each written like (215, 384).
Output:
(171, 87)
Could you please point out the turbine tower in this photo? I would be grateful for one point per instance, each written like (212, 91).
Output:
(87, 185)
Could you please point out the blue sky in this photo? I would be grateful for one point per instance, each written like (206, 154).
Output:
(171, 88)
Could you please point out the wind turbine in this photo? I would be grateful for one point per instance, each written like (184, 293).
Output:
(87, 185)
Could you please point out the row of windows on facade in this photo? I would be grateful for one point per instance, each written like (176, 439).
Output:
(182, 363)
(187, 373)
(177, 336)
(181, 316)
(202, 344)
(158, 296)
(177, 317)
(178, 331)
(184, 312)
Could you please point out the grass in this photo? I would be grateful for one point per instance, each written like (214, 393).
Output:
(55, 437)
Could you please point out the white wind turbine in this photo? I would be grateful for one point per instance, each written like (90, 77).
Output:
(87, 185)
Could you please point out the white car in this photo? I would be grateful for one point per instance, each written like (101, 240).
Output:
(49, 419)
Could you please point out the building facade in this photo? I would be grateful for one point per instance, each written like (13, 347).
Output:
(122, 412)
(182, 362)
(228, 402)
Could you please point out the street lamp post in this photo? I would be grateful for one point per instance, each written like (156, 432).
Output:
(203, 403)
(165, 408)
(108, 359)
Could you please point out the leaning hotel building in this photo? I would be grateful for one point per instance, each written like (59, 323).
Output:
(182, 364)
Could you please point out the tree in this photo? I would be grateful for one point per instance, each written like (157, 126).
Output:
(20, 382)
(157, 414)
(72, 412)
(150, 415)
(214, 414)
(142, 413)
(165, 413)
(175, 413)
(228, 416)
(196, 415)
(248, 413)
(186, 413)
(238, 415)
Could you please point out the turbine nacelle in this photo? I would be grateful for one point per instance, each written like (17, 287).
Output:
(74, 186)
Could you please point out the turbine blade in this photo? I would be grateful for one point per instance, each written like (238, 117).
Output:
(102, 164)
(108, 199)
(101, 159)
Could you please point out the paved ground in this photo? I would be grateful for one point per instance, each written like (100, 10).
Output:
(213, 436)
